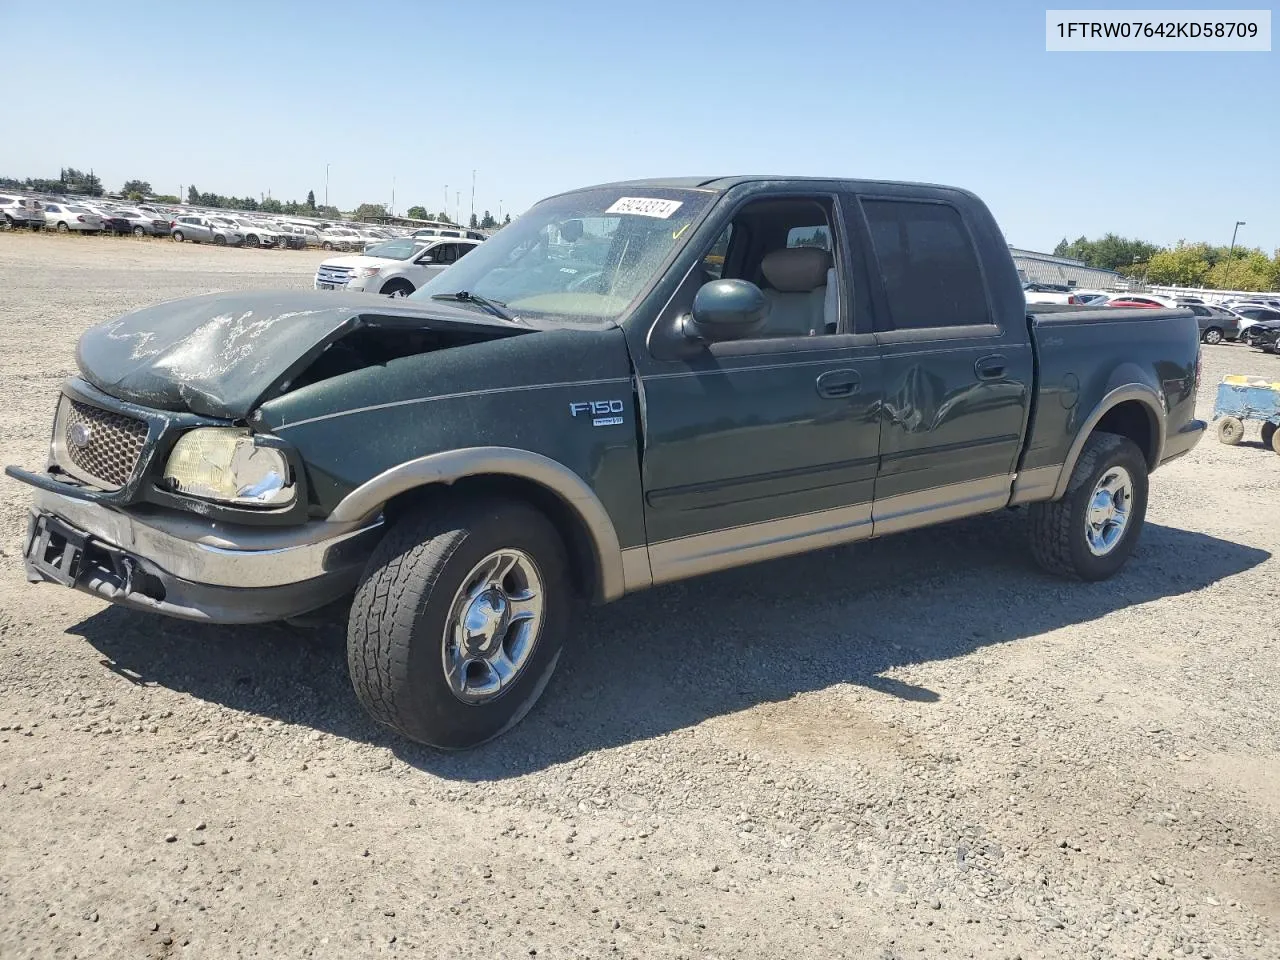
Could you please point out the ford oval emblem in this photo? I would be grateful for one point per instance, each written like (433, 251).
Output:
(80, 434)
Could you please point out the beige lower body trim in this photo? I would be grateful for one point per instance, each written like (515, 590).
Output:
(1037, 484)
(940, 504)
(677, 559)
(722, 549)
(636, 574)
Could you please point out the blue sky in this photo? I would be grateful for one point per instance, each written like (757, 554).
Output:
(244, 98)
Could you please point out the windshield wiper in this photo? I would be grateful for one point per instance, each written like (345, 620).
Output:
(466, 296)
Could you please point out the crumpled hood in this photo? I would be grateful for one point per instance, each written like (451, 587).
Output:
(219, 355)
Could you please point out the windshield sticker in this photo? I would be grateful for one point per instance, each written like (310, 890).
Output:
(646, 207)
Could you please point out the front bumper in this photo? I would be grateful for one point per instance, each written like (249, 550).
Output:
(191, 567)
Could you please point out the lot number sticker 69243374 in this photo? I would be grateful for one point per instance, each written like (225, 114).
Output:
(646, 206)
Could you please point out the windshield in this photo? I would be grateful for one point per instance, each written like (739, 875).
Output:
(395, 249)
(582, 256)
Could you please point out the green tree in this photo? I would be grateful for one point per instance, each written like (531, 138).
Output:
(326, 210)
(136, 186)
(443, 217)
(366, 210)
(506, 219)
(487, 222)
(193, 195)
(473, 223)
(1111, 252)
(418, 213)
(1184, 265)
(311, 198)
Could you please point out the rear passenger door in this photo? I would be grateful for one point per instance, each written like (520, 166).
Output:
(957, 384)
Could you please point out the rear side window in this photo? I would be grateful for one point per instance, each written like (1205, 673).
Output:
(928, 264)
(1199, 311)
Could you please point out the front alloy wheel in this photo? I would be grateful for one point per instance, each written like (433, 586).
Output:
(459, 620)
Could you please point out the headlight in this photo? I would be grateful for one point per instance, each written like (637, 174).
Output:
(367, 271)
(223, 463)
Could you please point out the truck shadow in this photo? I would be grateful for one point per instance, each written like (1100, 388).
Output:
(669, 658)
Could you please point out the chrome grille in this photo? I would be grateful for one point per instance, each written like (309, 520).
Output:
(338, 276)
(109, 453)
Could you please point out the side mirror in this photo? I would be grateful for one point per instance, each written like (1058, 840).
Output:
(726, 310)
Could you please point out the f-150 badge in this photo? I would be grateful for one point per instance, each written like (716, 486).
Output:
(603, 413)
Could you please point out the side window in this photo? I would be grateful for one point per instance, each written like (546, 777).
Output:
(817, 236)
(464, 249)
(1199, 311)
(713, 262)
(443, 253)
(52, 208)
(928, 264)
(783, 245)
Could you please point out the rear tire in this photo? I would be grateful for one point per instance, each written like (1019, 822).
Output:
(1072, 536)
(177, 236)
(420, 589)
(1212, 336)
(63, 228)
(139, 231)
(1270, 436)
(1230, 431)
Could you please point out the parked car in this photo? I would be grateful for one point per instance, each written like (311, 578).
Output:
(395, 268)
(293, 236)
(256, 233)
(113, 222)
(1147, 300)
(1260, 330)
(337, 238)
(1215, 323)
(21, 212)
(1128, 303)
(473, 459)
(1094, 298)
(1040, 293)
(449, 232)
(143, 223)
(206, 230)
(65, 218)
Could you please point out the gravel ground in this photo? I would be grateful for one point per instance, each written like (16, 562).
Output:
(915, 747)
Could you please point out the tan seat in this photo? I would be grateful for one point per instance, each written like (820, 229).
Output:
(797, 293)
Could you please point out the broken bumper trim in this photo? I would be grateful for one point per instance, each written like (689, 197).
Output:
(194, 568)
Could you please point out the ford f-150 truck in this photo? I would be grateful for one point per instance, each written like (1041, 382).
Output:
(629, 385)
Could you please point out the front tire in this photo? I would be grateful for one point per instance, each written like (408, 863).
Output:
(459, 621)
(219, 240)
(397, 288)
(177, 236)
(1230, 431)
(139, 231)
(1092, 530)
(63, 228)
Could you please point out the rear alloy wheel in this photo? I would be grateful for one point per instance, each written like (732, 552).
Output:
(139, 232)
(177, 236)
(1230, 431)
(1212, 336)
(63, 228)
(1091, 531)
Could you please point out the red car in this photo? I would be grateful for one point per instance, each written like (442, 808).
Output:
(1135, 303)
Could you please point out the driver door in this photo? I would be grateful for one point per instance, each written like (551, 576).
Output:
(766, 446)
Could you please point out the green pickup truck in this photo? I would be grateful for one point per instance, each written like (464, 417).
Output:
(630, 385)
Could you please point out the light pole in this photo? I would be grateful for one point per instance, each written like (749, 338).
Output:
(1226, 274)
(326, 184)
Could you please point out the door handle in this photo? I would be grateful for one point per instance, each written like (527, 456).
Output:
(990, 368)
(838, 383)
